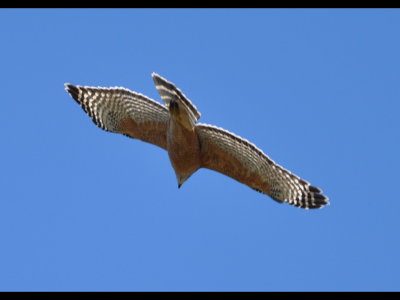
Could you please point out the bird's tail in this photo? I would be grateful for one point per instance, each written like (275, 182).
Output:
(170, 94)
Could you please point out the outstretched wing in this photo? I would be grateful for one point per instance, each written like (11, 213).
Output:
(236, 157)
(123, 111)
(168, 92)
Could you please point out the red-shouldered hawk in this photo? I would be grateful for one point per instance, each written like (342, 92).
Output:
(192, 145)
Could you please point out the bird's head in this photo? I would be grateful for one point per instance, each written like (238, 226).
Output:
(182, 178)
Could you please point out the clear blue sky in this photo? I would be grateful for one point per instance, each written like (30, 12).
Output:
(82, 209)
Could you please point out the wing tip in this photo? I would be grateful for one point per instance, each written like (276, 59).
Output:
(68, 86)
(313, 199)
(310, 199)
(72, 90)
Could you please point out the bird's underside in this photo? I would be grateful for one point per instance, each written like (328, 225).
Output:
(192, 145)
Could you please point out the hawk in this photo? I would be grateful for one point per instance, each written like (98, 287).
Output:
(192, 145)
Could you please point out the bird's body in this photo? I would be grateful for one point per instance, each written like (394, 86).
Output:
(183, 150)
(192, 145)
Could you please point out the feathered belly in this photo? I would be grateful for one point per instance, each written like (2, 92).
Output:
(183, 149)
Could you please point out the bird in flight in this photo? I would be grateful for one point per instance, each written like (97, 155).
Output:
(192, 145)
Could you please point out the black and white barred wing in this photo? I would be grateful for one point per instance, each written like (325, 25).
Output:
(235, 157)
(123, 111)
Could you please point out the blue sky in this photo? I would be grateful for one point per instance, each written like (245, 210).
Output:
(82, 209)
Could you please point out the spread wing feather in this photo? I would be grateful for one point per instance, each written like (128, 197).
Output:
(123, 111)
(236, 157)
